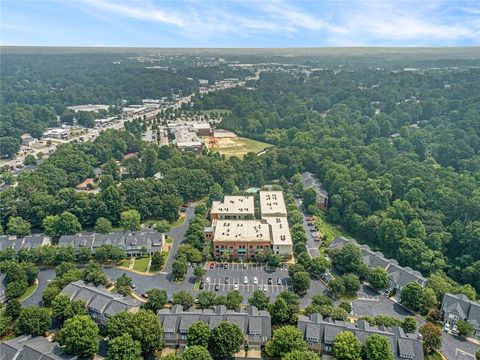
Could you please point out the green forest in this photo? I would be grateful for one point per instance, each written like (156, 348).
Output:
(398, 153)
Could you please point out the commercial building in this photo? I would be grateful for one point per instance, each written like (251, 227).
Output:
(101, 304)
(255, 324)
(185, 139)
(320, 333)
(397, 276)
(203, 129)
(28, 140)
(57, 133)
(233, 208)
(460, 307)
(134, 243)
(26, 347)
(236, 234)
(89, 107)
(310, 181)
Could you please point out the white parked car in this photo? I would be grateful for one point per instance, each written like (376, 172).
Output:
(207, 280)
(235, 287)
(245, 280)
(255, 281)
(265, 288)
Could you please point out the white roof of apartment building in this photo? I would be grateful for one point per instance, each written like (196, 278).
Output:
(234, 205)
(280, 230)
(242, 230)
(272, 203)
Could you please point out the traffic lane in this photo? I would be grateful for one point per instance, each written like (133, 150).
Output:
(178, 236)
(44, 277)
(455, 347)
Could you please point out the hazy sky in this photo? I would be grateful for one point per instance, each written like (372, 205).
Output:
(232, 23)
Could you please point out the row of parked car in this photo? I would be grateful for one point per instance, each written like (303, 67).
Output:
(236, 285)
(313, 229)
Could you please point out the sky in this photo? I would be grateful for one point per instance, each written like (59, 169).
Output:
(234, 23)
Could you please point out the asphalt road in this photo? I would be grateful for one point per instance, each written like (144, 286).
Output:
(312, 245)
(178, 236)
(44, 277)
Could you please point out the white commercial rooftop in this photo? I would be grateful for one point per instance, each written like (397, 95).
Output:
(89, 107)
(234, 205)
(280, 230)
(242, 230)
(272, 203)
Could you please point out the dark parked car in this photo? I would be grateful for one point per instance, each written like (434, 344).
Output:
(202, 285)
(269, 281)
(212, 266)
(227, 280)
(144, 295)
(217, 287)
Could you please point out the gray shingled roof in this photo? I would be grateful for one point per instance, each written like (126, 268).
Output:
(325, 330)
(462, 306)
(398, 274)
(130, 242)
(309, 180)
(28, 348)
(249, 321)
(98, 299)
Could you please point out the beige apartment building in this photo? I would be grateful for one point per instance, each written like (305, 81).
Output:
(233, 208)
(235, 232)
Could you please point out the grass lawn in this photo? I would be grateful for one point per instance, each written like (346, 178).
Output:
(169, 240)
(196, 286)
(329, 229)
(30, 290)
(141, 264)
(238, 146)
(125, 263)
(179, 221)
(434, 356)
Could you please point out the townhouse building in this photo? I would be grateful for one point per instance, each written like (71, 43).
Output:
(460, 307)
(28, 242)
(134, 243)
(397, 276)
(319, 333)
(310, 181)
(26, 347)
(255, 324)
(101, 303)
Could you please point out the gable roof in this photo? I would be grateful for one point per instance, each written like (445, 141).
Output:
(32, 348)
(98, 299)
(461, 306)
(315, 328)
(251, 322)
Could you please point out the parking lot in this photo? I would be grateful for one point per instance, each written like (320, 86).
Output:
(245, 278)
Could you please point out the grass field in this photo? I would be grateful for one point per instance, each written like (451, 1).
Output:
(238, 146)
(30, 290)
(329, 229)
(141, 264)
(125, 263)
